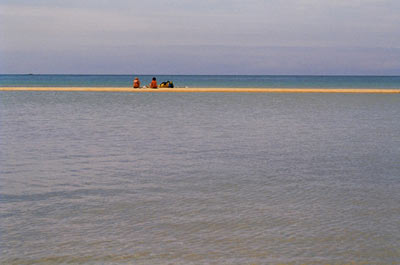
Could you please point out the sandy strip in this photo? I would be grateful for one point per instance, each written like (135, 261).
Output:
(206, 90)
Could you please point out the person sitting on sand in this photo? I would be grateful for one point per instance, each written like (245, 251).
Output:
(153, 83)
(136, 83)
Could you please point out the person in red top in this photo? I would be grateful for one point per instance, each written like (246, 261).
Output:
(136, 83)
(153, 83)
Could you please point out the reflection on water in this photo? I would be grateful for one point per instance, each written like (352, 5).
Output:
(199, 178)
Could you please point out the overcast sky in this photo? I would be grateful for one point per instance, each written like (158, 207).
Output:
(200, 37)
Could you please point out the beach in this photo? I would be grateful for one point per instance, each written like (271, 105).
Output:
(208, 90)
(192, 133)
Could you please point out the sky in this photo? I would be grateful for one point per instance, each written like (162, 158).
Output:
(299, 37)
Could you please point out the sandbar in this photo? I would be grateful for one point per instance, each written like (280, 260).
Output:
(208, 90)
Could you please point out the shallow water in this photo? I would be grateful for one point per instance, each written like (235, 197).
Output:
(116, 178)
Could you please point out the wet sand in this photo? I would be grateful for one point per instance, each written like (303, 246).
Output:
(207, 90)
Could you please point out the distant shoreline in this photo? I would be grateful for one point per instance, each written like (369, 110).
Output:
(208, 90)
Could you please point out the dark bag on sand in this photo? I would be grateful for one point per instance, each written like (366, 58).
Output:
(167, 84)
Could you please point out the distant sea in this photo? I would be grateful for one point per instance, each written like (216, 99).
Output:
(258, 81)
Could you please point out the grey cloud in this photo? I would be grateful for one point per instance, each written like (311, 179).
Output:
(229, 29)
(182, 59)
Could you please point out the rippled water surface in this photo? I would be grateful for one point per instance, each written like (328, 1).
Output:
(114, 178)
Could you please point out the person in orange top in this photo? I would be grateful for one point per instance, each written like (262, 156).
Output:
(136, 83)
(153, 83)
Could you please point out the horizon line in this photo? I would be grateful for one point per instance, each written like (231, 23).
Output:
(153, 74)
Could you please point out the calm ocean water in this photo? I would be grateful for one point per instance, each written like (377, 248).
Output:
(205, 81)
(117, 178)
